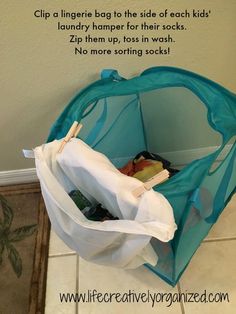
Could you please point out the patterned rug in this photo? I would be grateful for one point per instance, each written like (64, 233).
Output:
(24, 241)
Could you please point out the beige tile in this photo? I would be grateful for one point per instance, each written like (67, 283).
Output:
(111, 280)
(57, 246)
(225, 227)
(212, 268)
(61, 278)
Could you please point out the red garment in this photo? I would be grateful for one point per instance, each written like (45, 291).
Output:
(132, 167)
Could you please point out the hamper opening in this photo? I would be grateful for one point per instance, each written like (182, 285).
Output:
(171, 122)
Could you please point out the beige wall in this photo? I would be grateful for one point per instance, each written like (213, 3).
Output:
(39, 73)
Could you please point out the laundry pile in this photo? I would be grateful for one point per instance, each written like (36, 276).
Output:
(145, 165)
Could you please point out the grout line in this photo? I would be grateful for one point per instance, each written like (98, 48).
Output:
(219, 239)
(62, 254)
(77, 284)
(181, 301)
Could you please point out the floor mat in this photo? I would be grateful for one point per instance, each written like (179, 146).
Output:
(24, 241)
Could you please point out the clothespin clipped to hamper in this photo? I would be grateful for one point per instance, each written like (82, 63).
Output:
(158, 178)
(73, 132)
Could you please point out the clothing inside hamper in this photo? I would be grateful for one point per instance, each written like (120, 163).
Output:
(91, 212)
(145, 165)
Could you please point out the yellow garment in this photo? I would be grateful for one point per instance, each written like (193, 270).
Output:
(149, 171)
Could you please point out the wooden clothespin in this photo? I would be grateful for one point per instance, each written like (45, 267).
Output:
(79, 127)
(73, 132)
(158, 178)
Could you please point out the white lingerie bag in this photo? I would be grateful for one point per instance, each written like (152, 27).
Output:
(123, 243)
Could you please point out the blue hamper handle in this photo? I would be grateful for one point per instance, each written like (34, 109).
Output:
(219, 201)
(92, 136)
(112, 74)
(210, 207)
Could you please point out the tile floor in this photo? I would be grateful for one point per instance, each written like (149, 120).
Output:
(213, 268)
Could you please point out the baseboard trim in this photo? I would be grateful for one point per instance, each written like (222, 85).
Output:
(177, 158)
(184, 157)
(18, 176)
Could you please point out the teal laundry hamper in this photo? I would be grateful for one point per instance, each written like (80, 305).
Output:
(115, 121)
